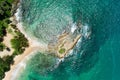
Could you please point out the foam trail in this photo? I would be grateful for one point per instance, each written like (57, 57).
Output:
(21, 66)
(58, 63)
(86, 31)
(73, 28)
(15, 73)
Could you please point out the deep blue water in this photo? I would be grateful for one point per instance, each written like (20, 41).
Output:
(100, 59)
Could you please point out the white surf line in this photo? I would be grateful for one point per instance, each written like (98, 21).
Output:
(21, 66)
(86, 31)
(73, 28)
(34, 41)
(16, 72)
(19, 25)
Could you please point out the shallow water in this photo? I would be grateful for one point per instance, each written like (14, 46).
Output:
(97, 57)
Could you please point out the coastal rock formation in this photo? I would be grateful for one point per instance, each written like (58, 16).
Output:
(64, 44)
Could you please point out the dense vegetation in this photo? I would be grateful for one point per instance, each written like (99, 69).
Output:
(5, 9)
(5, 13)
(18, 43)
(5, 65)
(3, 25)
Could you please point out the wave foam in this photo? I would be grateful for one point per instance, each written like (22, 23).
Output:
(19, 25)
(73, 28)
(86, 31)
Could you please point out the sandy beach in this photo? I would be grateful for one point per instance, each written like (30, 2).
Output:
(7, 42)
(18, 60)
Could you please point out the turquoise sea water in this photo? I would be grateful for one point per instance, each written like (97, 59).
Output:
(100, 59)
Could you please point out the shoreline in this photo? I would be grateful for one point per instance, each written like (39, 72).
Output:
(15, 68)
(33, 46)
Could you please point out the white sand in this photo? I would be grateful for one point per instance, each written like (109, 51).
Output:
(7, 43)
(20, 62)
